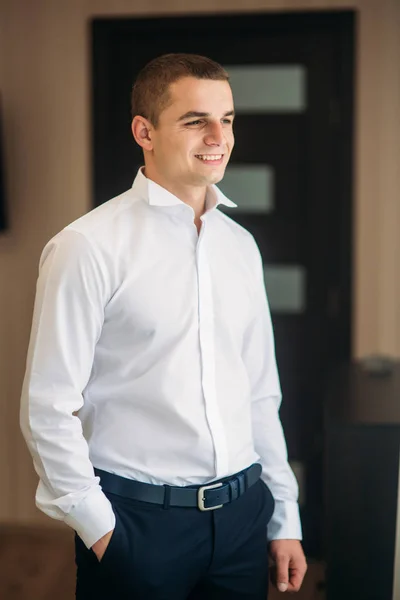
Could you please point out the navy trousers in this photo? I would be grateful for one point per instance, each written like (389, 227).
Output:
(181, 553)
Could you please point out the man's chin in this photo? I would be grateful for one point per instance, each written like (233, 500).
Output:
(216, 179)
(215, 176)
(219, 177)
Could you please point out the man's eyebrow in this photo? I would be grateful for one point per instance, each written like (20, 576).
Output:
(195, 114)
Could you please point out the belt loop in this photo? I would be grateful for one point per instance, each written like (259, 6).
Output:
(234, 489)
(242, 483)
(167, 496)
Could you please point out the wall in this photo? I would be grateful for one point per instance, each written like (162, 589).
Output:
(44, 80)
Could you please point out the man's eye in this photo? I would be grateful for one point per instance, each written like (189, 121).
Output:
(227, 121)
(194, 122)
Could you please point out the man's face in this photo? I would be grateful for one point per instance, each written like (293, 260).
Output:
(194, 138)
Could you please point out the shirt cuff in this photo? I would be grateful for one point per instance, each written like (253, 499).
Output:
(92, 517)
(285, 522)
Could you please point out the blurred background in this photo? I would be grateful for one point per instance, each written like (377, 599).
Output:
(316, 175)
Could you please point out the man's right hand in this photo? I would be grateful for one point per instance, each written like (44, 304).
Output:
(100, 546)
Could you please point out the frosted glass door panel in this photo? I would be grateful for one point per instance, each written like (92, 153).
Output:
(286, 288)
(273, 88)
(251, 187)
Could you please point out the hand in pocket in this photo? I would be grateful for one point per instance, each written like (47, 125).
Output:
(100, 546)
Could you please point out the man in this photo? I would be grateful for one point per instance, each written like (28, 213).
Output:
(151, 396)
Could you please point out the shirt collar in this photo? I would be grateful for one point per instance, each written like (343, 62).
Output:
(156, 195)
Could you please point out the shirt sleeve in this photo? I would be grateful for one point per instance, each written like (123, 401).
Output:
(259, 357)
(67, 321)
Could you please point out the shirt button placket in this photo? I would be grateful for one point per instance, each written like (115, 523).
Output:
(207, 352)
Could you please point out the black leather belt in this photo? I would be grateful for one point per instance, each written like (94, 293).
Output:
(205, 497)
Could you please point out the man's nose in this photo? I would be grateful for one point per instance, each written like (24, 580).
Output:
(214, 135)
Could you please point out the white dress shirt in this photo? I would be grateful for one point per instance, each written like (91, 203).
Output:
(152, 356)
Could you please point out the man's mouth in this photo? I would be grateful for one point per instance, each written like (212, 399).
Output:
(210, 158)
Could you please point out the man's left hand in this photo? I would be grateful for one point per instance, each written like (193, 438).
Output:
(290, 565)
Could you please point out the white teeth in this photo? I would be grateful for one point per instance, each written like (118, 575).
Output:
(209, 156)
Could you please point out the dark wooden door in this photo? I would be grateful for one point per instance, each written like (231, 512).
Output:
(295, 136)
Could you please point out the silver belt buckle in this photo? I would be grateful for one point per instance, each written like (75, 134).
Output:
(201, 499)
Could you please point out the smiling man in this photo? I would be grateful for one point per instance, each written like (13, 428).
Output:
(151, 397)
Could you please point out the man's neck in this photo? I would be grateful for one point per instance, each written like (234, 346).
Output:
(190, 195)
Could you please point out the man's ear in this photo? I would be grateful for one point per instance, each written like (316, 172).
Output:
(142, 132)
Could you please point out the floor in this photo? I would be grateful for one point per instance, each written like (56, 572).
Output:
(38, 564)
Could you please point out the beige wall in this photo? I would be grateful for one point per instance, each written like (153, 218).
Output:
(44, 81)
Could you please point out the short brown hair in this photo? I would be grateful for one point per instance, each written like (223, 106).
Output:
(150, 92)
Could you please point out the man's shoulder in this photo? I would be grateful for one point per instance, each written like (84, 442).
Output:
(106, 223)
(241, 239)
(241, 234)
(100, 232)
(103, 220)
